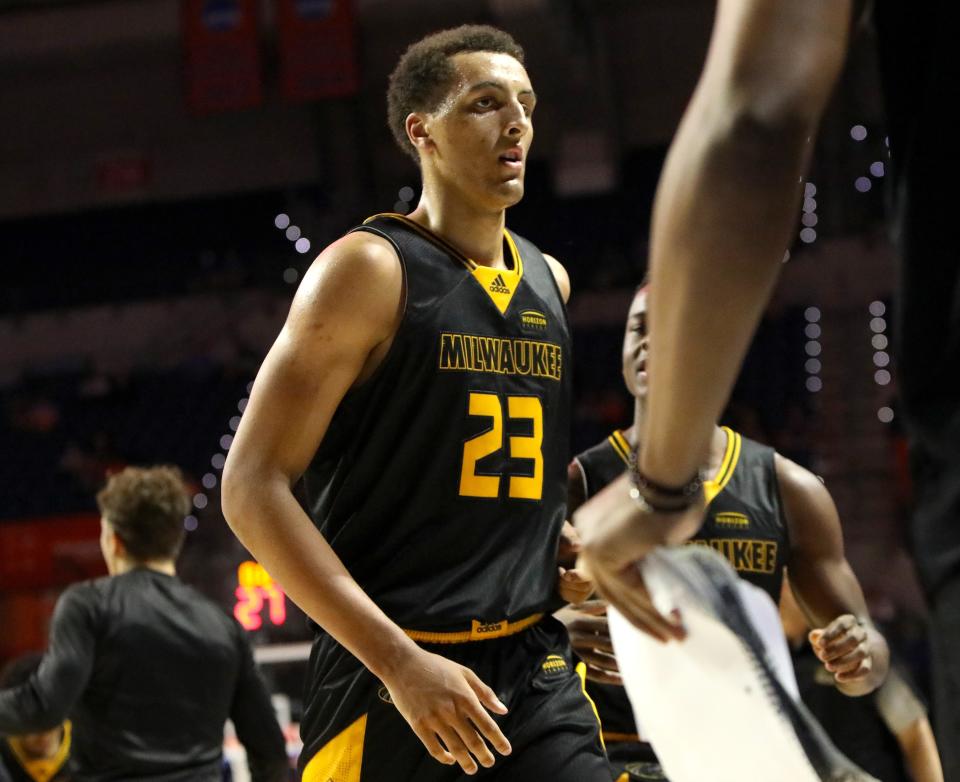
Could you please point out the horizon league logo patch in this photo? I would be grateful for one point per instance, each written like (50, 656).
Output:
(553, 666)
(533, 321)
(730, 519)
(384, 694)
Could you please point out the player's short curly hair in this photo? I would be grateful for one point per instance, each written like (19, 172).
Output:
(424, 73)
(146, 507)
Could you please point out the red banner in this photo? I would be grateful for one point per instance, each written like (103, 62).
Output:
(222, 54)
(48, 553)
(25, 617)
(318, 50)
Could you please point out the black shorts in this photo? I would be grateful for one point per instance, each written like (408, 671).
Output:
(353, 733)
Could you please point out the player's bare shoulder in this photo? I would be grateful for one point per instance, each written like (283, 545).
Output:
(353, 290)
(796, 480)
(560, 275)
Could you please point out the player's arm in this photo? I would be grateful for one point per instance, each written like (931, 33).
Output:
(255, 720)
(344, 314)
(573, 586)
(586, 622)
(726, 209)
(825, 587)
(47, 697)
(919, 749)
(906, 717)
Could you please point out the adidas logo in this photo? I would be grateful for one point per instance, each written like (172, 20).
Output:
(498, 285)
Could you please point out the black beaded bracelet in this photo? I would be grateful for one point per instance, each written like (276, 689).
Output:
(659, 498)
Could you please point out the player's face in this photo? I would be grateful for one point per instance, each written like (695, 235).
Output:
(480, 135)
(636, 345)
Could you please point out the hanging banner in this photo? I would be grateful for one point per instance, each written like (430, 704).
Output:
(49, 552)
(222, 55)
(318, 52)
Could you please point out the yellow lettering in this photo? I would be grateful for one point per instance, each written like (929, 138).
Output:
(489, 354)
(506, 357)
(746, 555)
(539, 359)
(522, 351)
(451, 352)
(471, 353)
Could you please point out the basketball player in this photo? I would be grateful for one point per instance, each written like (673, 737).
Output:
(148, 669)
(725, 212)
(33, 757)
(764, 513)
(421, 389)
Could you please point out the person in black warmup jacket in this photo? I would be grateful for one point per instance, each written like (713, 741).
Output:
(147, 669)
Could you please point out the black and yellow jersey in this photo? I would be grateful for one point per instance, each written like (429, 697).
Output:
(18, 765)
(744, 521)
(441, 481)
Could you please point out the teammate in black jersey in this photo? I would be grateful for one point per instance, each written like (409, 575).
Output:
(421, 388)
(764, 513)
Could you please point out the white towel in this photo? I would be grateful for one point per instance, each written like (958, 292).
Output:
(722, 705)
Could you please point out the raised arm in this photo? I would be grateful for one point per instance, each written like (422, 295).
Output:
(726, 208)
(340, 325)
(825, 586)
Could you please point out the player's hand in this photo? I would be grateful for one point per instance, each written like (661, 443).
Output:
(847, 649)
(447, 706)
(574, 586)
(569, 547)
(615, 534)
(590, 639)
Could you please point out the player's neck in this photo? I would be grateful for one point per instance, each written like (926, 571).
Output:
(639, 416)
(124, 565)
(477, 234)
(718, 447)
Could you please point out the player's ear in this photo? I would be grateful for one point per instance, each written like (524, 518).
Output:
(418, 131)
(119, 549)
